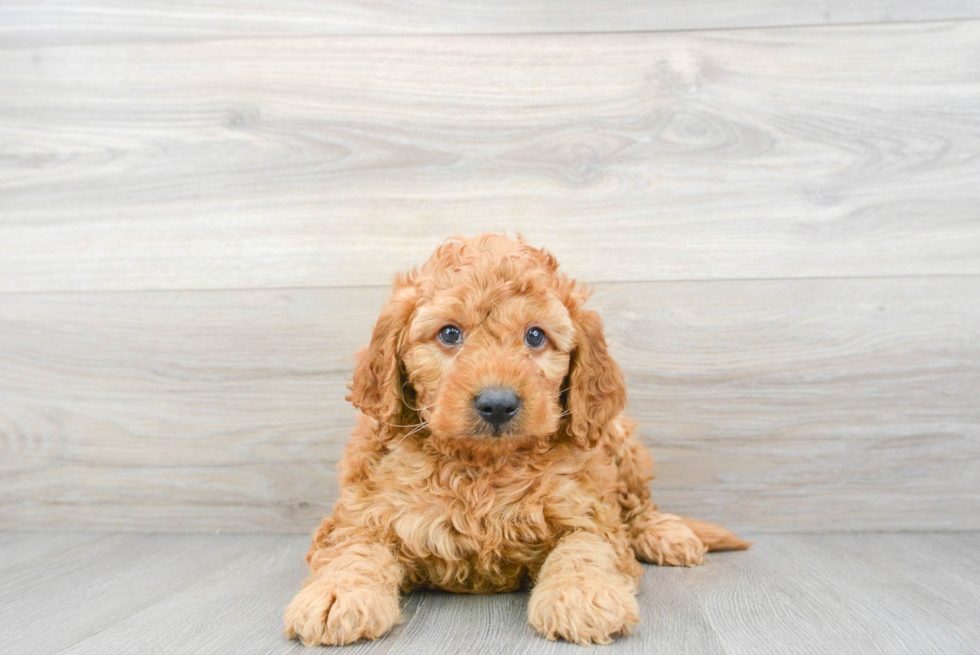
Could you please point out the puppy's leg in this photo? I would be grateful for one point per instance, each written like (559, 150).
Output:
(661, 538)
(668, 539)
(352, 594)
(585, 591)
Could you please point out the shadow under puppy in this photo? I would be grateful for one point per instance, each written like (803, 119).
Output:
(491, 454)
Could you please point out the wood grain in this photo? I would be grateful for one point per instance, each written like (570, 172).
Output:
(259, 579)
(18, 547)
(868, 592)
(307, 162)
(813, 594)
(56, 22)
(819, 405)
(51, 602)
(852, 398)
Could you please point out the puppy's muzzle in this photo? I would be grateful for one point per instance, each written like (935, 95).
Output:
(497, 406)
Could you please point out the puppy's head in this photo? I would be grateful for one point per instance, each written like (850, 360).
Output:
(487, 346)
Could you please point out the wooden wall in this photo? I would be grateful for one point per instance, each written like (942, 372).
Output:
(201, 207)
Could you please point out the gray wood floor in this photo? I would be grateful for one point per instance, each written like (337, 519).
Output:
(193, 593)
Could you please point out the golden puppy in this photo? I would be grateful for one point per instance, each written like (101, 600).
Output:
(491, 453)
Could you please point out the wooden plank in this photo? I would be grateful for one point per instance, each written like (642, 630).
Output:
(284, 162)
(48, 604)
(55, 22)
(804, 593)
(766, 396)
(19, 547)
(236, 605)
(820, 405)
(945, 566)
(137, 409)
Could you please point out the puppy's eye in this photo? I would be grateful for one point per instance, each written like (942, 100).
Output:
(451, 336)
(535, 337)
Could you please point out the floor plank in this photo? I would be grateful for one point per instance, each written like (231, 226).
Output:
(284, 162)
(16, 548)
(235, 604)
(214, 593)
(770, 405)
(809, 594)
(25, 24)
(49, 603)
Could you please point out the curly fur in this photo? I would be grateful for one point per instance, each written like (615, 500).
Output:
(559, 502)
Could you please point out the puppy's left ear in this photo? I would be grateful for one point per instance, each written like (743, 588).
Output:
(376, 388)
(596, 391)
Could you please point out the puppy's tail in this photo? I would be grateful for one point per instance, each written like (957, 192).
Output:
(714, 536)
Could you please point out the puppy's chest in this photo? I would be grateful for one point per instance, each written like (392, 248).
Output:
(472, 516)
(473, 535)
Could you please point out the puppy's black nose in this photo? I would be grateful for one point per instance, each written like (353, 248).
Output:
(497, 406)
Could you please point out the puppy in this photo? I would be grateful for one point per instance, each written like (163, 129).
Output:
(491, 454)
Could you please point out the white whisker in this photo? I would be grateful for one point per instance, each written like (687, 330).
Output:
(395, 425)
(418, 428)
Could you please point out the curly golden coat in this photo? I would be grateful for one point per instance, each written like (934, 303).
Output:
(432, 495)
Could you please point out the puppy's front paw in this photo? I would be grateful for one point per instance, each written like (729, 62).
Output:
(665, 540)
(583, 611)
(340, 609)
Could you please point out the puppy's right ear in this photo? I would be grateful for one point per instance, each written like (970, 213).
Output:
(376, 388)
